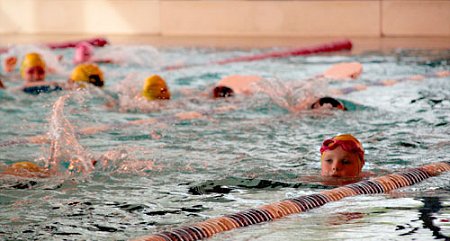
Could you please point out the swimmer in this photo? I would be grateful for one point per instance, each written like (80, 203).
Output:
(9, 64)
(235, 84)
(2, 86)
(86, 73)
(33, 68)
(33, 71)
(329, 102)
(342, 157)
(155, 88)
(247, 85)
(26, 169)
(84, 53)
(222, 92)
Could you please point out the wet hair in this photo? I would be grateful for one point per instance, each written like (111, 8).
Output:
(328, 100)
(222, 92)
(96, 80)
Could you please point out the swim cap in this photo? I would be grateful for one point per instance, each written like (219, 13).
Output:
(89, 73)
(155, 88)
(31, 60)
(28, 166)
(83, 52)
(347, 142)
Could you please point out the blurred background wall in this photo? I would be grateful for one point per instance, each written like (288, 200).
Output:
(311, 18)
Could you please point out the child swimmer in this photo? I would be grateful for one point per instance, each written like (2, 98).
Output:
(28, 169)
(33, 70)
(84, 53)
(155, 88)
(342, 157)
(240, 84)
(84, 74)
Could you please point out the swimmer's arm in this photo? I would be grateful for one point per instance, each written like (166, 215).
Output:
(189, 115)
(190, 92)
(94, 129)
(40, 139)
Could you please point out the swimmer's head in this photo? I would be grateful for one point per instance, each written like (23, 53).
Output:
(87, 73)
(222, 92)
(9, 64)
(83, 52)
(33, 68)
(342, 156)
(26, 169)
(155, 88)
(330, 101)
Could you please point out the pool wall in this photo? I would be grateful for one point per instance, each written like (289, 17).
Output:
(297, 18)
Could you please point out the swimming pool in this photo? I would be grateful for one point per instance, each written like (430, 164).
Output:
(150, 173)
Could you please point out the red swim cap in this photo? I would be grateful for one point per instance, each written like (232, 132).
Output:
(347, 142)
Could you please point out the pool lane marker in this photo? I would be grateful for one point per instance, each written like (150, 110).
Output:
(302, 51)
(96, 42)
(269, 212)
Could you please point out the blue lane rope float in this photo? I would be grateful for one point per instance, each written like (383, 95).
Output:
(269, 212)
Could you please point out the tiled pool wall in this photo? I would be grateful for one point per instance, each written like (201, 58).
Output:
(294, 18)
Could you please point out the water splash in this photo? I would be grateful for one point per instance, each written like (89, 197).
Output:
(294, 96)
(140, 55)
(66, 153)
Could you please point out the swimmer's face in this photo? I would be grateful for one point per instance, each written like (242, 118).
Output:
(340, 163)
(35, 73)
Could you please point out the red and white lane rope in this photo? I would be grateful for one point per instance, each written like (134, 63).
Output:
(300, 204)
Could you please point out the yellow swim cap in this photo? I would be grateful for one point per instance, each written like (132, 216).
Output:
(26, 166)
(31, 60)
(155, 88)
(89, 73)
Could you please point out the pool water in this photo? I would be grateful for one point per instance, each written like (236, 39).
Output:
(241, 153)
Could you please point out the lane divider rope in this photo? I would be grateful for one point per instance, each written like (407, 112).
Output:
(269, 212)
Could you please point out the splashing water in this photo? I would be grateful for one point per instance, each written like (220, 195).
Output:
(294, 96)
(144, 56)
(66, 152)
(140, 182)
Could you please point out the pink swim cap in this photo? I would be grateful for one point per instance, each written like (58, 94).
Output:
(83, 53)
